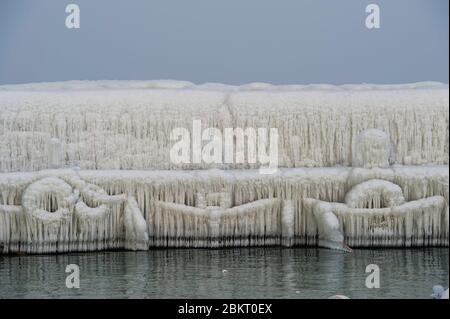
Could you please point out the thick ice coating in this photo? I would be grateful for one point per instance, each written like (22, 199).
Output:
(85, 166)
(127, 124)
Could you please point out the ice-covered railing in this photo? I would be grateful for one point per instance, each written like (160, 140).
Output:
(176, 193)
(60, 212)
(127, 124)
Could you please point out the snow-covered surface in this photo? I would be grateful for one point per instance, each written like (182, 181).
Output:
(127, 124)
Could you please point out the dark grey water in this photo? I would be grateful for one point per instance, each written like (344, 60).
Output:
(249, 273)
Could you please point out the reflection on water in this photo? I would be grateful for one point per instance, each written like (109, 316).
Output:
(226, 273)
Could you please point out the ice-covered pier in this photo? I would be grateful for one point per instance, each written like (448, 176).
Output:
(85, 166)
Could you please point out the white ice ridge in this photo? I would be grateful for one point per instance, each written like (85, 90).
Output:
(216, 208)
(127, 124)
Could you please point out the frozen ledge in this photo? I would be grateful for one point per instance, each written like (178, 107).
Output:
(213, 208)
(128, 125)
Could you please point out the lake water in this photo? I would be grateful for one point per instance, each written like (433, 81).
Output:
(227, 273)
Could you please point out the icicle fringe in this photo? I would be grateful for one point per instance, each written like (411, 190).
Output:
(142, 209)
(127, 125)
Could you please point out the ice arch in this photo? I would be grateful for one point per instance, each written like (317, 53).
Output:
(375, 193)
(49, 200)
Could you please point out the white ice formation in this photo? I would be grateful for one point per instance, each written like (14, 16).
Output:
(85, 166)
(374, 212)
(126, 125)
(439, 292)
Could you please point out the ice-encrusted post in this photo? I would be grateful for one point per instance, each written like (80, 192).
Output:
(55, 153)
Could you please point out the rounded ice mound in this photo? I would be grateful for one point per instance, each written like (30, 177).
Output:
(372, 148)
(375, 193)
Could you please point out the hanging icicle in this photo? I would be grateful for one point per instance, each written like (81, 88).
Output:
(136, 234)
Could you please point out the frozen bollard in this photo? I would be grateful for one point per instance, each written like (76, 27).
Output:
(55, 153)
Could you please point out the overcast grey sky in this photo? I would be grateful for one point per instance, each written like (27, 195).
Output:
(229, 41)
